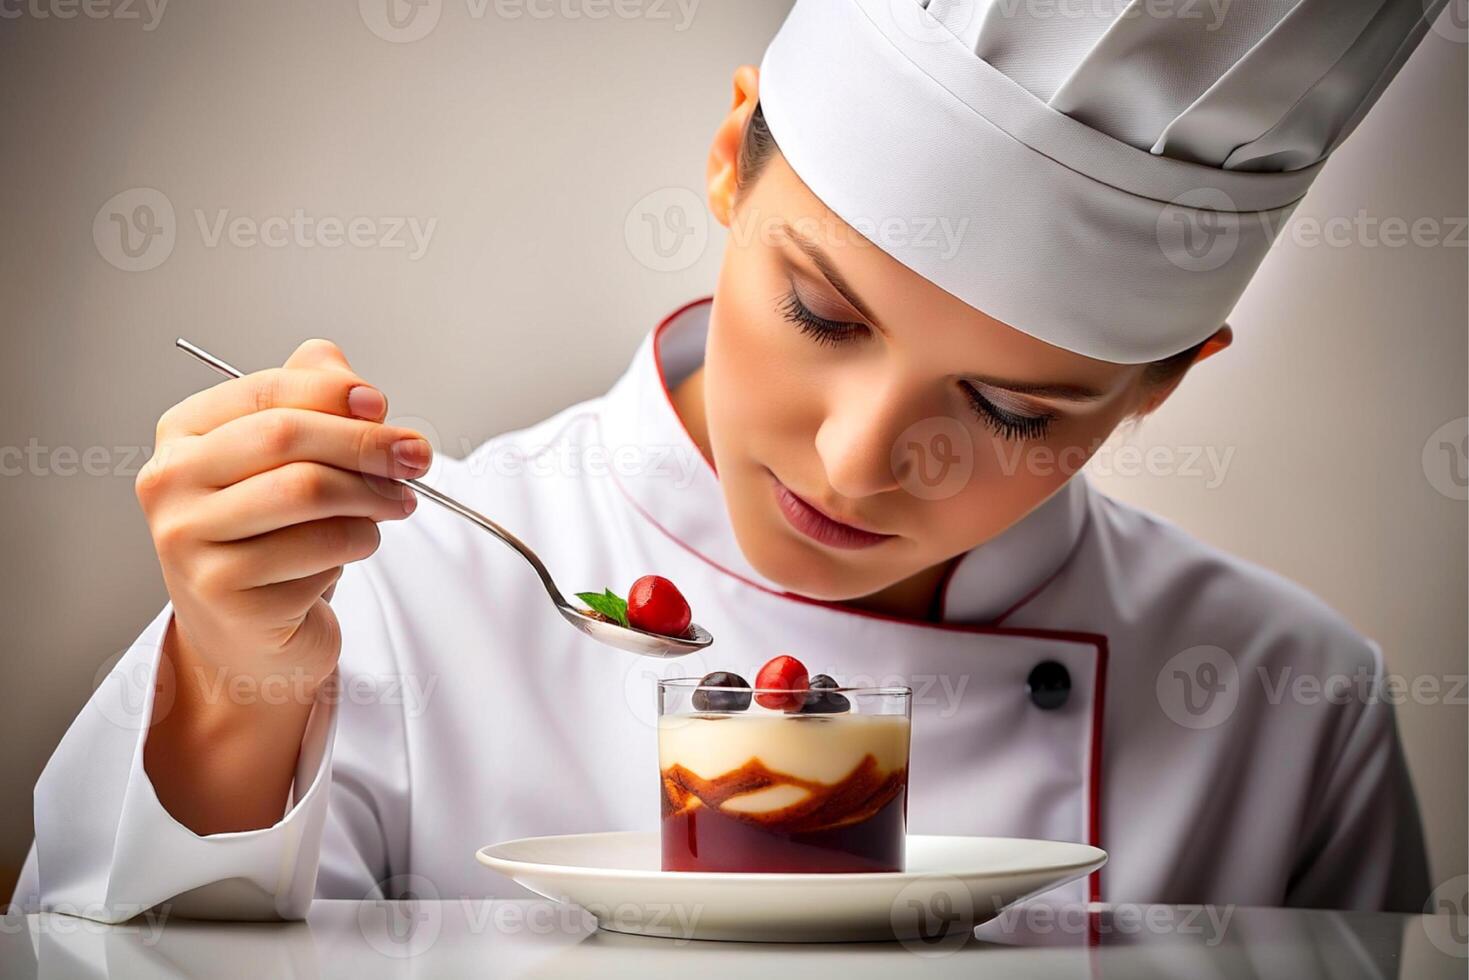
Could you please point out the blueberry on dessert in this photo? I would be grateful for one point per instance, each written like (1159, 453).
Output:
(721, 700)
(822, 697)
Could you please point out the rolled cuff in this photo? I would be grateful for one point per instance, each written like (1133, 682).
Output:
(106, 847)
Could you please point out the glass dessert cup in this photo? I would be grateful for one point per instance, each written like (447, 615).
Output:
(762, 790)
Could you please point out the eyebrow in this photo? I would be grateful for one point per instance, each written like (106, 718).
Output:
(819, 259)
(1065, 392)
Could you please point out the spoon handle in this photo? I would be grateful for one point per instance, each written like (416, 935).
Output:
(443, 500)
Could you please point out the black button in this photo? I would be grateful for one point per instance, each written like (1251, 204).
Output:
(1049, 685)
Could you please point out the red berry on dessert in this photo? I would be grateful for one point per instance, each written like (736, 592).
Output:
(654, 604)
(779, 675)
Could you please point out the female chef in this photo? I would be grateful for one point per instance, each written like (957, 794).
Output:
(964, 247)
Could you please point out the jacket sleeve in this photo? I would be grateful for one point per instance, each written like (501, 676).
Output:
(1365, 849)
(107, 849)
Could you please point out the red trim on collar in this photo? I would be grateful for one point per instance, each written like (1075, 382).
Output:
(1094, 794)
(1066, 563)
(943, 589)
(663, 381)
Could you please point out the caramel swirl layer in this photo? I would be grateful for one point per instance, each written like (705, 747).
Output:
(856, 797)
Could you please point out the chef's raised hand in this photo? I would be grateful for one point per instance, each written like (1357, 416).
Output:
(259, 491)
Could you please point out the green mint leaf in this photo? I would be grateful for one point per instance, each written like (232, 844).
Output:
(608, 603)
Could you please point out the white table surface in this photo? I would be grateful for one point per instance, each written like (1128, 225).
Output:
(536, 938)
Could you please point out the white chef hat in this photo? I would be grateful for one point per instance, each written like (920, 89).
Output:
(1113, 170)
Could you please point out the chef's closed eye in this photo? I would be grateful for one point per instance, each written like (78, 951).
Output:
(822, 329)
(1005, 414)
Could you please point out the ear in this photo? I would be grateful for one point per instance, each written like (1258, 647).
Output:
(723, 170)
(1218, 341)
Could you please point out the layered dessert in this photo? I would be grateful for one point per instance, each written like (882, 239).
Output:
(784, 779)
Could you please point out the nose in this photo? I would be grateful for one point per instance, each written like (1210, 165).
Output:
(855, 440)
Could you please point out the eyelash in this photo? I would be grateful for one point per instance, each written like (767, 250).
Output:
(830, 333)
(819, 329)
(1007, 424)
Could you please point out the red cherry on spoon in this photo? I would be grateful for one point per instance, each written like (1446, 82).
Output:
(655, 604)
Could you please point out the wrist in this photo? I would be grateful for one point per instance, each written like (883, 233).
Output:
(215, 709)
(221, 755)
(222, 695)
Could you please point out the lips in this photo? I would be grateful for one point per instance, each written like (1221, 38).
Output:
(818, 526)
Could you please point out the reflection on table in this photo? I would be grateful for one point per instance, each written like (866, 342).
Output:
(534, 938)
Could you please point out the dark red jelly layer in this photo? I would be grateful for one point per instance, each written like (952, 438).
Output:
(857, 824)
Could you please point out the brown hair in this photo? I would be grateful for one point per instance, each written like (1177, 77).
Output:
(758, 146)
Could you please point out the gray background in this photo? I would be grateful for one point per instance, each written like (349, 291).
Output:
(531, 141)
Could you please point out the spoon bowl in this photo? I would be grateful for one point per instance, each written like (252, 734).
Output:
(627, 638)
(634, 640)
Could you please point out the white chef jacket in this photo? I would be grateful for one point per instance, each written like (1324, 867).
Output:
(468, 712)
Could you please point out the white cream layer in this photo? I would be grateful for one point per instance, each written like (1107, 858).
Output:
(818, 748)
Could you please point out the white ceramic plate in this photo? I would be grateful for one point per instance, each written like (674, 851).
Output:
(950, 883)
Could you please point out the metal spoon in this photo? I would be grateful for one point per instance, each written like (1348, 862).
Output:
(613, 634)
